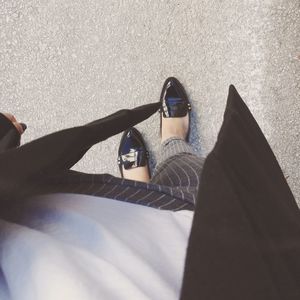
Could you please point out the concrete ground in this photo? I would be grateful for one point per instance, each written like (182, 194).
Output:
(67, 62)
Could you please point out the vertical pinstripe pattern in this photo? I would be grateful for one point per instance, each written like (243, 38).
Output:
(173, 186)
(173, 146)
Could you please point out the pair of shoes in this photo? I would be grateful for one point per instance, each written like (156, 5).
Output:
(132, 151)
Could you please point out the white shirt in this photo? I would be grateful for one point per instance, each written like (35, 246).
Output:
(74, 247)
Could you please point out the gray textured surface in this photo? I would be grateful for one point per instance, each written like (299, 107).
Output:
(67, 62)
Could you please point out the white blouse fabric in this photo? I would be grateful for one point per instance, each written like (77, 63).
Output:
(78, 247)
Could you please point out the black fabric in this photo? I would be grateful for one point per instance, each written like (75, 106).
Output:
(9, 135)
(20, 167)
(245, 237)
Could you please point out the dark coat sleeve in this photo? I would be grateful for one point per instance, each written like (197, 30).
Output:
(245, 237)
(9, 135)
(59, 151)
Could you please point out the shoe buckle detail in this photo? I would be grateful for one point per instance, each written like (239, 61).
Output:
(131, 157)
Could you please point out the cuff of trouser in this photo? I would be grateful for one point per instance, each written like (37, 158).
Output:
(171, 139)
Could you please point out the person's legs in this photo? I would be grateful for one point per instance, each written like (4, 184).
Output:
(178, 165)
(175, 182)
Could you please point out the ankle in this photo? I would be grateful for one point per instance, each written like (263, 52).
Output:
(172, 135)
(174, 127)
(138, 174)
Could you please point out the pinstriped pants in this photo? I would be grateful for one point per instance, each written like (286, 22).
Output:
(173, 186)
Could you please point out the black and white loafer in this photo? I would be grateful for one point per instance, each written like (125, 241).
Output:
(132, 151)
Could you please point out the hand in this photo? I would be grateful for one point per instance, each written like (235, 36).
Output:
(15, 122)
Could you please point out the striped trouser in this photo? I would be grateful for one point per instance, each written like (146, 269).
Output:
(173, 186)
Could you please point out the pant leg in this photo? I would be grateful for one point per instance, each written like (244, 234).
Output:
(173, 146)
(108, 186)
(179, 167)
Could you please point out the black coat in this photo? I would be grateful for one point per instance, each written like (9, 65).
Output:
(245, 237)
